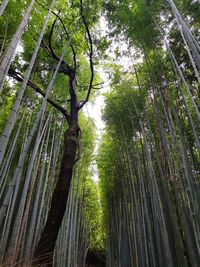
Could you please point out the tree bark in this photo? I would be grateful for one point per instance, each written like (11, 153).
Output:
(44, 251)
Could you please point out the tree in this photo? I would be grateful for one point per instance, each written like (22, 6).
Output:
(71, 135)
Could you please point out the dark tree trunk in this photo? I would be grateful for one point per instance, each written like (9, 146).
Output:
(95, 259)
(43, 255)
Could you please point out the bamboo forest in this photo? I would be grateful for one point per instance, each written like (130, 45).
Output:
(100, 133)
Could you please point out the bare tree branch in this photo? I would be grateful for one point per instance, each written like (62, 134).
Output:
(50, 41)
(90, 56)
(66, 32)
(19, 77)
(46, 48)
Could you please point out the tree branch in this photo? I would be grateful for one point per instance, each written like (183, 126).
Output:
(66, 32)
(90, 56)
(19, 77)
(50, 41)
(46, 48)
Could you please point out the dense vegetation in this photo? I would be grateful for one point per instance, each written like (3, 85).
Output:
(145, 209)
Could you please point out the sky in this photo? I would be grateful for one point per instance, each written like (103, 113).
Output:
(94, 110)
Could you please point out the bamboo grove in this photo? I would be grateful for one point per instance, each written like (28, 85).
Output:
(150, 151)
(145, 210)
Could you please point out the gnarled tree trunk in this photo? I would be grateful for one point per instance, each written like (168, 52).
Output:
(44, 251)
(45, 248)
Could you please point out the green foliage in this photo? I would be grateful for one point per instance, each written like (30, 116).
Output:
(57, 35)
(132, 18)
(94, 215)
(120, 105)
(6, 101)
(150, 137)
(91, 198)
(11, 19)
